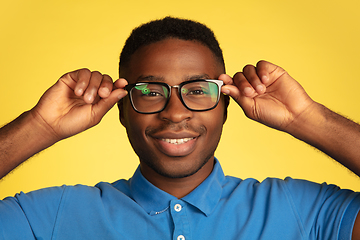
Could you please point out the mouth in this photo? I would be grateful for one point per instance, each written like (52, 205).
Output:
(176, 146)
(177, 141)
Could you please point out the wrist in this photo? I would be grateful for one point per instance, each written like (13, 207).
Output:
(39, 130)
(306, 125)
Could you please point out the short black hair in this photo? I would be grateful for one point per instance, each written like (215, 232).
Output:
(170, 27)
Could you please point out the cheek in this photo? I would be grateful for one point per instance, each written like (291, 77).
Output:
(136, 124)
(214, 121)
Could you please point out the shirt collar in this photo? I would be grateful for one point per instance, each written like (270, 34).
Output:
(205, 197)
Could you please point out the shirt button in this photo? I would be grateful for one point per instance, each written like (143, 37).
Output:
(181, 237)
(178, 208)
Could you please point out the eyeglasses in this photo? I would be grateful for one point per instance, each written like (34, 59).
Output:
(196, 95)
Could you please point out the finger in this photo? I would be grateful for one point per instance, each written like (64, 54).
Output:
(252, 77)
(81, 77)
(105, 104)
(120, 83)
(242, 92)
(106, 86)
(227, 81)
(263, 69)
(268, 72)
(244, 86)
(93, 87)
(232, 91)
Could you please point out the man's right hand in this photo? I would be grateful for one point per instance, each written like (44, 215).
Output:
(77, 101)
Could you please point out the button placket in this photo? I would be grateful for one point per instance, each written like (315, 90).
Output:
(180, 220)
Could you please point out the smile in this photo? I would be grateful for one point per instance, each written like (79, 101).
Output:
(176, 141)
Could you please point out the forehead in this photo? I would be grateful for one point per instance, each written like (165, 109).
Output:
(172, 61)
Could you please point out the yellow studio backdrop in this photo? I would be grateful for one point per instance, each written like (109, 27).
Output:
(317, 42)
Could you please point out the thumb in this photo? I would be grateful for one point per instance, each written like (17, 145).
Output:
(105, 104)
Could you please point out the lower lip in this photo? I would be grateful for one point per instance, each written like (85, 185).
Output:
(176, 150)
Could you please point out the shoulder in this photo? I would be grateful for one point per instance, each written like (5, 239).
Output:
(294, 190)
(53, 196)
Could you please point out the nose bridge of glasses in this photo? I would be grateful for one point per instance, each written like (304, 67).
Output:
(178, 94)
(175, 86)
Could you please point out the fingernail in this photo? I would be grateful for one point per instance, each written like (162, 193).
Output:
(123, 94)
(264, 78)
(105, 90)
(260, 88)
(79, 91)
(248, 91)
(89, 97)
(225, 91)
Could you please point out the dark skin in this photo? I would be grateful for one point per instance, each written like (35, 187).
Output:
(265, 92)
(176, 169)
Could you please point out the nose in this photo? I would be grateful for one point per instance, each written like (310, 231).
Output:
(175, 110)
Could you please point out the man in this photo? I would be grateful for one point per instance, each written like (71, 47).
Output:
(173, 108)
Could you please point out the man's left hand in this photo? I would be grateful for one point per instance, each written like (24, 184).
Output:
(268, 94)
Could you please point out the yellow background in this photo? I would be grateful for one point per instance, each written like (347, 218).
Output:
(316, 41)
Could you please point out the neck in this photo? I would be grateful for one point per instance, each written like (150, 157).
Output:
(178, 187)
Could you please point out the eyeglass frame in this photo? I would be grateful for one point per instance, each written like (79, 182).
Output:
(219, 83)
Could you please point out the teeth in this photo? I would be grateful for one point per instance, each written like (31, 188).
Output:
(176, 141)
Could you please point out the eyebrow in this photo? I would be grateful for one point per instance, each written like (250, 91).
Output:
(151, 78)
(195, 77)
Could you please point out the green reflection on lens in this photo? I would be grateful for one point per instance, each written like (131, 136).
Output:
(145, 91)
(143, 88)
(213, 91)
(184, 90)
(165, 91)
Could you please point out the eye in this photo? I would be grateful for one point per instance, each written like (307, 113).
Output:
(195, 91)
(151, 90)
(153, 94)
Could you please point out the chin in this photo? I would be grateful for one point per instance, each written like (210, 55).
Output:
(177, 168)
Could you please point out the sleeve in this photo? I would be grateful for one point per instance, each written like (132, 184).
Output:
(325, 211)
(30, 216)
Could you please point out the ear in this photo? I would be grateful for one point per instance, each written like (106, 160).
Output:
(120, 105)
(226, 104)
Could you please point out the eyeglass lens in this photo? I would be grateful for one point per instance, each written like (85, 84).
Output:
(152, 97)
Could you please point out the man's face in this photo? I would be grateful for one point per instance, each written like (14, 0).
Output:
(176, 142)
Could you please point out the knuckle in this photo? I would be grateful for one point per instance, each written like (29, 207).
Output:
(96, 74)
(83, 75)
(248, 68)
(262, 62)
(84, 72)
(107, 78)
(237, 75)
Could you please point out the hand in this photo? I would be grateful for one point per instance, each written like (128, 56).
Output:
(268, 94)
(77, 102)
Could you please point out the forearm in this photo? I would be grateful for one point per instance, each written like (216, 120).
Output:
(21, 139)
(331, 133)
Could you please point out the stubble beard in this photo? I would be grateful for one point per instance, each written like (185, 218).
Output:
(175, 171)
(155, 165)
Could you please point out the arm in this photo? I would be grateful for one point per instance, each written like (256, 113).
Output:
(269, 95)
(76, 102)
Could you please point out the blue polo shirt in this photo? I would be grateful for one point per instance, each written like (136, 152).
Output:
(221, 207)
